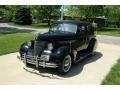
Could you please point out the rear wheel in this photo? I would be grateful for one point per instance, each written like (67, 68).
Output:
(65, 65)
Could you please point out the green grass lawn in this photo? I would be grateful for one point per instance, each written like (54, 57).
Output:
(109, 31)
(113, 77)
(11, 42)
(37, 26)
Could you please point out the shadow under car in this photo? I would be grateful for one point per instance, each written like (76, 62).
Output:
(75, 69)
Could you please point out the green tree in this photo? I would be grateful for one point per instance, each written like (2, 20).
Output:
(86, 11)
(113, 13)
(8, 11)
(23, 16)
(44, 12)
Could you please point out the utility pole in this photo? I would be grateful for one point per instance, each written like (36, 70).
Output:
(62, 12)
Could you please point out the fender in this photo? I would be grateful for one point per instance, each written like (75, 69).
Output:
(23, 48)
(92, 44)
(62, 51)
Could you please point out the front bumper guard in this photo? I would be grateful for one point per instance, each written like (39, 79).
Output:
(37, 61)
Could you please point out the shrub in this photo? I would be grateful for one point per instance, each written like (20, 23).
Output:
(23, 16)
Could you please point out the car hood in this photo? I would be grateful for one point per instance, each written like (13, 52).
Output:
(61, 36)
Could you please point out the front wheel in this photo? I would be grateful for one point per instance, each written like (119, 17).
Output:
(65, 65)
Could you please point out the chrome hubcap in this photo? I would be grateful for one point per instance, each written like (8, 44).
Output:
(67, 63)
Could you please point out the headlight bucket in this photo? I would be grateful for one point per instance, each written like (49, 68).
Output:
(29, 43)
(50, 46)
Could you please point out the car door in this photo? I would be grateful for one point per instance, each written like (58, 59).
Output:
(81, 37)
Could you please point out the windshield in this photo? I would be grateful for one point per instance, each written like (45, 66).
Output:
(64, 27)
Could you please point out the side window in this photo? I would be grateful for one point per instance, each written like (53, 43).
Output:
(82, 29)
(90, 30)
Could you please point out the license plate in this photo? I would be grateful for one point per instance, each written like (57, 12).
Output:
(45, 57)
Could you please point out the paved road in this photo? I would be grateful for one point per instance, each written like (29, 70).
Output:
(90, 71)
(108, 39)
(6, 28)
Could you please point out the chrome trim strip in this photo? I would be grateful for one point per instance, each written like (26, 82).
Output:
(37, 64)
(52, 65)
(47, 51)
(24, 58)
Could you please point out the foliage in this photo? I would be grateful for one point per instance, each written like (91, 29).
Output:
(113, 12)
(110, 12)
(23, 16)
(86, 11)
(44, 12)
(7, 12)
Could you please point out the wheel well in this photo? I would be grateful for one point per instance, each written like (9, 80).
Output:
(91, 44)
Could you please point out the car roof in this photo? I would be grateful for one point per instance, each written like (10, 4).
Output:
(74, 22)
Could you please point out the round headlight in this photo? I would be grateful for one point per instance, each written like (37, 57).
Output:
(50, 46)
(26, 46)
(29, 43)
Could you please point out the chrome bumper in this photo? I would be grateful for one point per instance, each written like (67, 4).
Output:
(37, 61)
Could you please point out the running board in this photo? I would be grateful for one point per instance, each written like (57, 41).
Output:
(82, 55)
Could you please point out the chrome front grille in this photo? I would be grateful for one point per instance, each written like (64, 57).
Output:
(38, 47)
(38, 61)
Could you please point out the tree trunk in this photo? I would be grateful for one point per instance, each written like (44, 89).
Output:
(49, 20)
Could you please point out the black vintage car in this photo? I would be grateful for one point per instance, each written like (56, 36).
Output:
(67, 42)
